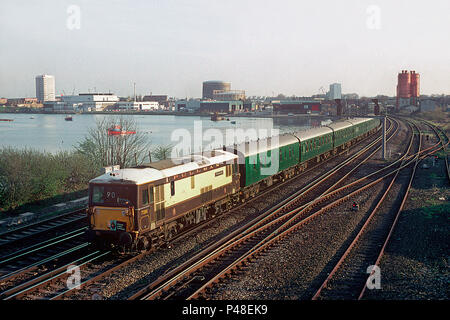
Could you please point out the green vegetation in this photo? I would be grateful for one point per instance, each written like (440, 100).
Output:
(31, 178)
(27, 175)
(161, 152)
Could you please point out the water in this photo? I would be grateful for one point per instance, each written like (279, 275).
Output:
(51, 133)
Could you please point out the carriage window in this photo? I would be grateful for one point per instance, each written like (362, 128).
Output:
(151, 195)
(145, 196)
(159, 193)
(192, 182)
(228, 170)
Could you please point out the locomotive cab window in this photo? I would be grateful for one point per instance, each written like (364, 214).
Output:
(97, 194)
(115, 195)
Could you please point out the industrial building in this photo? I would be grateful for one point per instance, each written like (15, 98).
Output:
(298, 107)
(84, 102)
(210, 86)
(408, 88)
(230, 95)
(161, 99)
(137, 105)
(221, 106)
(45, 88)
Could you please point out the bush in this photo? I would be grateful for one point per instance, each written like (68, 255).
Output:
(29, 175)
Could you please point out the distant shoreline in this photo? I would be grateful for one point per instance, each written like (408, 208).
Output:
(172, 113)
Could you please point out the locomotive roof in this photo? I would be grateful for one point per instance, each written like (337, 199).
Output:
(166, 168)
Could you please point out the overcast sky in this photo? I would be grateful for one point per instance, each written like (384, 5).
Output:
(262, 47)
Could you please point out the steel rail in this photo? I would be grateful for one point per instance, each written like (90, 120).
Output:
(362, 230)
(391, 230)
(45, 279)
(416, 159)
(26, 232)
(39, 246)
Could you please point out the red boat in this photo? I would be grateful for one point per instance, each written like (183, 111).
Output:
(117, 130)
(6, 119)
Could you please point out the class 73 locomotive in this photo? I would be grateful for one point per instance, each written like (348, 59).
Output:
(145, 206)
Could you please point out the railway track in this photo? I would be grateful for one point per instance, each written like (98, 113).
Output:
(60, 272)
(192, 279)
(40, 231)
(349, 274)
(348, 279)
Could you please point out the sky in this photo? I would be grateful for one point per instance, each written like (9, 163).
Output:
(263, 47)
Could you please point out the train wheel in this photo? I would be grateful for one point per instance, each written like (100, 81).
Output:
(143, 244)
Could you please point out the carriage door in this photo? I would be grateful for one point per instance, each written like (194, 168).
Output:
(160, 211)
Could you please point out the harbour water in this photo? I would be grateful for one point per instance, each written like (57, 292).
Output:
(51, 133)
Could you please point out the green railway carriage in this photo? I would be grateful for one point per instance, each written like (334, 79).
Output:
(343, 132)
(362, 125)
(314, 142)
(255, 158)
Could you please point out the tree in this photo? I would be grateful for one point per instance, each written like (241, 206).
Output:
(162, 152)
(125, 149)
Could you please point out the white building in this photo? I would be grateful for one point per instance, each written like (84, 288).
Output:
(138, 105)
(45, 88)
(335, 91)
(86, 102)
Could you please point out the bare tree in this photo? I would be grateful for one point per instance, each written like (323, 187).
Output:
(105, 149)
